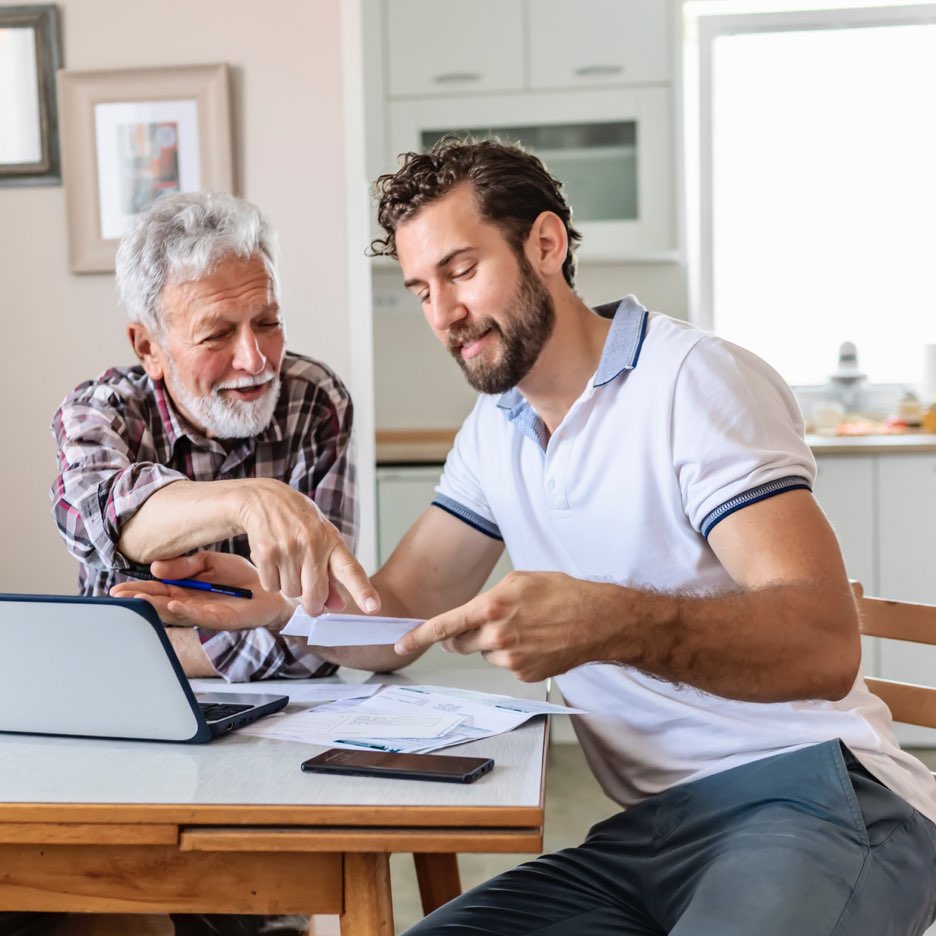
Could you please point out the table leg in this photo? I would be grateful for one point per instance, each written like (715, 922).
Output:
(368, 906)
(438, 879)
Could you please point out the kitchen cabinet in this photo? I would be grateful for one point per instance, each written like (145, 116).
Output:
(842, 484)
(601, 42)
(906, 519)
(440, 47)
(883, 510)
(403, 493)
(610, 147)
(589, 91)
(443, 47)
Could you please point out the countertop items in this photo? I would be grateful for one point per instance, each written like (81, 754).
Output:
(430, 446)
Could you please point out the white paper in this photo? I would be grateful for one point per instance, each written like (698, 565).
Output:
(339, 726)
(298, 691)
(480, 715)
(531, 706)
(348, 630)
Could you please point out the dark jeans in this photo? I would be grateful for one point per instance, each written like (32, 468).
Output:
(806, 843)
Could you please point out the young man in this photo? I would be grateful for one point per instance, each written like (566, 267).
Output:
(652, 487)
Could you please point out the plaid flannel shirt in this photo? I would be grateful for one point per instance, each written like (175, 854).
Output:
(120, 439)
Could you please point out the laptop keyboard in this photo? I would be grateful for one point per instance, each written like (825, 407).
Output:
(215, 711)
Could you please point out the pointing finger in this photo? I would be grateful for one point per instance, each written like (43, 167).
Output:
(344, 568)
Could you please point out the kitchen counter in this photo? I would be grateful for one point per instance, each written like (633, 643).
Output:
(413, 446)
(430, 446)
(905, 443)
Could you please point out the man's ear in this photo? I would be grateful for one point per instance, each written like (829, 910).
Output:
(147, 350)
(547, 244)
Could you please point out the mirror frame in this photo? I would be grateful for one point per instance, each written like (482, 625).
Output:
(44, 21)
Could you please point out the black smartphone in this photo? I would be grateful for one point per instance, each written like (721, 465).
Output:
(403, 766)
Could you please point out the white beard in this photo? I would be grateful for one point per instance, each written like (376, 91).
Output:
(229, 419)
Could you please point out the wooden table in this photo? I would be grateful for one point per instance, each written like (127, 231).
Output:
(233, 826)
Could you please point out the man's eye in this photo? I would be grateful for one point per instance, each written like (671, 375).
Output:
(461, 274)
(214, 336)
(269, 326)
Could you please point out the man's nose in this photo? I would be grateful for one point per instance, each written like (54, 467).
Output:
(247, 354)
(445, 310)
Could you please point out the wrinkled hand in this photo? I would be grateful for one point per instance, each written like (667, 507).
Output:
(189, 608)
(535, 624)
(297, 551)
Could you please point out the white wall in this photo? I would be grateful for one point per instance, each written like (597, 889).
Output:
(290, 139)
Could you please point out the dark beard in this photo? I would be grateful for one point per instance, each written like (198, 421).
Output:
(522, 338)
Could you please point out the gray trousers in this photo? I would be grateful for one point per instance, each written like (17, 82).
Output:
(806, 843)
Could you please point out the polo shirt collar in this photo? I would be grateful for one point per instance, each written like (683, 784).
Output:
(621, 350)
(625, 339)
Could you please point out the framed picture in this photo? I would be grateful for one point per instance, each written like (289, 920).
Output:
(30, 55)
(129, 137)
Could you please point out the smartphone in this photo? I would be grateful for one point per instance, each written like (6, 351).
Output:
(404, 766)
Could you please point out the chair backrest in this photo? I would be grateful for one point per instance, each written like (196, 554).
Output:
(900, 620)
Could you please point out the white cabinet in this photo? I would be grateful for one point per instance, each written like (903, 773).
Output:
(610, 147)
(403, 493)
(907, 518)
(439, 47)
(883, 510)
(587, 87)
(846, 489)
(444, 46)
(598, 42)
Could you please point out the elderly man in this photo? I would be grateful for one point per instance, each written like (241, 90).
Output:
(217, 438)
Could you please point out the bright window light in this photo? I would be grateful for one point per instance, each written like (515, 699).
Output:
(823, 195)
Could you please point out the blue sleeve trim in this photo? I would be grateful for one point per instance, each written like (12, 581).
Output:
(761, 492)
(467, 516)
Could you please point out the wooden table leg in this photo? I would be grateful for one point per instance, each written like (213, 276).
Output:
(368, 906)
(438, 879)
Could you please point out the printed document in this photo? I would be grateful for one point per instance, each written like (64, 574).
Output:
(476, 715)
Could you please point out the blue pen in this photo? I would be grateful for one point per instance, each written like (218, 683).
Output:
(232, 591)
(368, 744)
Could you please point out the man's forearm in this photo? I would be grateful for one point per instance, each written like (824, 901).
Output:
(189, 650)
(180, 517)
(779, 643)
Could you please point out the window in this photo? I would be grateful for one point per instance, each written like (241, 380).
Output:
(817, 186)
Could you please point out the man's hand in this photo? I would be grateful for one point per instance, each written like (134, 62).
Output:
(297, 551)
(535, 624)
(189, 608)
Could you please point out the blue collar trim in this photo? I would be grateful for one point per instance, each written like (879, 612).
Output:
(621, 351)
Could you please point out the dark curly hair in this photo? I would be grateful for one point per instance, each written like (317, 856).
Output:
(511, 187)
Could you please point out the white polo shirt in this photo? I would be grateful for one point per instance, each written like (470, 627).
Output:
(646, 462)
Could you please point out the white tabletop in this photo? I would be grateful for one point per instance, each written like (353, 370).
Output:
(239, 769)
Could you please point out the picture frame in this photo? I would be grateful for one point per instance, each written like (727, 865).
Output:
(30, 55)
(129, 136)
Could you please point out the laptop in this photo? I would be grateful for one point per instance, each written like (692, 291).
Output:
(104, 668)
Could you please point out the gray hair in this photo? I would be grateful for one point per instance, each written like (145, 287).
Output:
(183, 237)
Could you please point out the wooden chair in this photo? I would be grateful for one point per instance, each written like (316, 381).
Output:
(900, 620)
